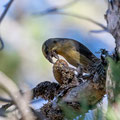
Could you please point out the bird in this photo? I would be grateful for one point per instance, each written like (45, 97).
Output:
(73, 51)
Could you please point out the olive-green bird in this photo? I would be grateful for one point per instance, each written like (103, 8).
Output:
(73, 51)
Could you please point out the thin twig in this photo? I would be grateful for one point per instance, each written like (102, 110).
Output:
(61, 7)
(6, 106)
(56, 10)
(82, 17)
(1, 18)
(67, 4)
(98, 31)
(2, 43)
(6, 9)
(5, 100)
(73, 15)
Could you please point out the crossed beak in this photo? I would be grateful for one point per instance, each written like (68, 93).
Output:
(51, 55)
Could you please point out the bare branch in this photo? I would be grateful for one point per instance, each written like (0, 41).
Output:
(55, 11)
(21, 102)
(2, 43)
(97, 31)
(1, 18)
(5, 100)
(67, 5)
(56, 8)
(82, 17)
(6, 106)
(6, 9)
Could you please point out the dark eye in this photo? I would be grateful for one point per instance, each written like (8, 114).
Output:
(46, 51)
(54, 41)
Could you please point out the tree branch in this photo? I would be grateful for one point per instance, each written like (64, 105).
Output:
(6, 10)
(56, 11)
(2, 17)
(82, 17)
(5, 100)
(113, 22)
(2, 43)
(20, 101)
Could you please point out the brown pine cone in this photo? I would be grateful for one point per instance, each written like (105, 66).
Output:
(63, 73)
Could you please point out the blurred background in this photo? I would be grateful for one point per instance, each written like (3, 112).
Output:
(24, 33)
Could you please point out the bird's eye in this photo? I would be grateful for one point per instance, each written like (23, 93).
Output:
(54, 41)
(46, 51)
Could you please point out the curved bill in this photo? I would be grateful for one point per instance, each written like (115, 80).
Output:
(51, 55)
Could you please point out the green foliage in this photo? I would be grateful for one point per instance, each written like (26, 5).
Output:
(9, 62)
(71, 113)
(113, 108)
(111, 114)
(68, 111)
(115, 75)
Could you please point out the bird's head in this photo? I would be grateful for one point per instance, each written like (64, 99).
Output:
(49, 49)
